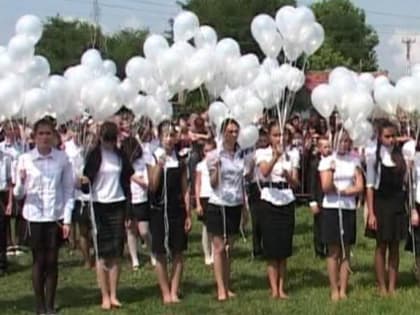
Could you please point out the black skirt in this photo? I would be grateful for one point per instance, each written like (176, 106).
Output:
(177, 237)
(214, 220)
(392, 220)
(204, 204)
(141, 211)
(109, 219)
(277, 227)
(330, 226)
(81, 213)
(45, 235)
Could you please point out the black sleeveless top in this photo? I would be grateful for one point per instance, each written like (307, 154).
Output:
(175, 199)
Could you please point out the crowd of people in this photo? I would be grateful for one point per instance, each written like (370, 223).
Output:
(126, 179)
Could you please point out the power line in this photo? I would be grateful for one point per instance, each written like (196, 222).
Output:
(416, 17)
(122, 7)
(156, 4)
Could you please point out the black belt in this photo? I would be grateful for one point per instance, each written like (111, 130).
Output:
(279, 185)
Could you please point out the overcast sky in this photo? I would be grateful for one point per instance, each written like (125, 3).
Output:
(392, 19)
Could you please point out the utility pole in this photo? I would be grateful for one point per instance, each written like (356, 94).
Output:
(408, 42)
(96, 14)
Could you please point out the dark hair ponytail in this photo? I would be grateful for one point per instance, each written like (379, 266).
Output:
(396, 154)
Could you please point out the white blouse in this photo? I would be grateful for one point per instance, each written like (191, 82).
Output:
(345, 168)
(138, 193)
(49, 186)
(230, 190)
(273, 195)
(107, 187)
(77, 161)
(206, 189)
(373, 175)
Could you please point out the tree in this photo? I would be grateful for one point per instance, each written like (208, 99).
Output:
(63, 42)
(349, 40)
(232, 18)
(123, 45)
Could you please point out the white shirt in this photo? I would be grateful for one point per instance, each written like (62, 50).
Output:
(417, 176)
(230, 190)
(148, 149)
(48, 188)
(206, 189)
(13, 151)
(373, 175)
(5, 171)
(106, 187)
(75, 154)
(343, 177)
(138, 193)
(274, 195)
(294, 156)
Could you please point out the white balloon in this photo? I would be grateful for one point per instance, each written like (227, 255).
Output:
(35, 104)
(271, 44)
(185, 26)
(248, 136)
(218, 111)
(59, 94)
(170, 64)
(387, 98)
(92, 59)
(409, 93)
(324, 99)
(140, 70)
(138, 105)
(367, 79)
(6, 64)
(128, 91)
(286, 21)
(296, 80)
(30, 26)
(11, 91)
(380, 80)
(311, 38)
(205, 37)
(292, 50)
(263, 87)
(216, 86)
(153, 46)
(37, 71)
(269, 65)
(360, 105)
(262, 26)
(20, 49)
(227, 50)
(184, 49)
(247, 68)
(109, 66)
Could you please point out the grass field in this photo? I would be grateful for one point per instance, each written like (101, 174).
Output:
(307, 284)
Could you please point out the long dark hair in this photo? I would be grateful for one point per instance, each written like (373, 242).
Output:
(396, 154)
(132, 148)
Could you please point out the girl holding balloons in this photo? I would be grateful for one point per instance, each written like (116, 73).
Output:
(277, 212)
(387, 221)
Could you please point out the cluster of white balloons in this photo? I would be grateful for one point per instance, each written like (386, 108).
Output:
(356, 96)
(21, 72)
(351, 94)
(294, 30)
(196, 59)
(248, 87)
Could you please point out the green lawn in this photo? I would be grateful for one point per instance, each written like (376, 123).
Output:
(307, 284)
